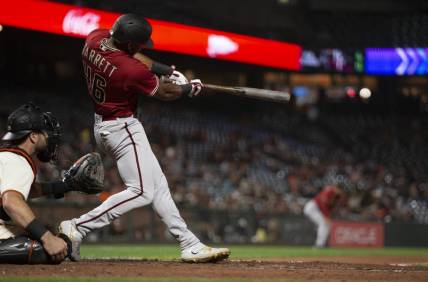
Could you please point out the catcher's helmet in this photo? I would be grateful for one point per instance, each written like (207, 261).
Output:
(28, 118)
(132, 28)
(23, 121)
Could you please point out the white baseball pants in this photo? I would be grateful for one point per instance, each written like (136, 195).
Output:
(312, 211)
(126, 141)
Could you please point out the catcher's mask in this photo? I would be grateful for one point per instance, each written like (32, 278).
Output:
(29, 118)
(53, 128)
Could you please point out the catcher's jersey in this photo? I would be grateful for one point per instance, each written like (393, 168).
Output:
(17, 172)
(114, 78)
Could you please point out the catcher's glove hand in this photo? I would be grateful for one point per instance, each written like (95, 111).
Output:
(86, 174)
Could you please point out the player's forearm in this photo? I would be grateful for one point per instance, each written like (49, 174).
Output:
(166, 96)
(21, 214)
(17, 209)
(154, 67)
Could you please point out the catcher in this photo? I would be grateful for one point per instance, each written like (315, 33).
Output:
(23, 238)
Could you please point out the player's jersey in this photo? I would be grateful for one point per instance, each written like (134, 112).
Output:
(17, 173)
(326, 200)
(114, 78)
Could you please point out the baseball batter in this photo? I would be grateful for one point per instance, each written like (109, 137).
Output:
(116, 75)
(319, 211)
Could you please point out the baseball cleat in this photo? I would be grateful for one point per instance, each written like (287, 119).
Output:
(202, 253)
(68, 228)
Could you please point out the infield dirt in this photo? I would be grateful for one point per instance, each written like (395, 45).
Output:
(329, 269)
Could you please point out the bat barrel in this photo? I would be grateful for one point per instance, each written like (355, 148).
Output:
(255, 93)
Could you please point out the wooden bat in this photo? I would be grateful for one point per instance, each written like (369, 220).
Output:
(255, 93)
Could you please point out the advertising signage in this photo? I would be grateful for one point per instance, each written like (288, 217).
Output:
(397, 61)
(74, 21)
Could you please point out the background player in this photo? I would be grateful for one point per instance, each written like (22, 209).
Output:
(319, 211)
(115, 79)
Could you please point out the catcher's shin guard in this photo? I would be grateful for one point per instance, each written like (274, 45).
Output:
(23, 250)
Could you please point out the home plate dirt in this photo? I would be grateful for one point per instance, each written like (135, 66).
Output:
(344, 269)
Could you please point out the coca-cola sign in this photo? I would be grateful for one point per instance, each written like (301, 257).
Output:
(80, 22)
(356, 234)
(69, 20)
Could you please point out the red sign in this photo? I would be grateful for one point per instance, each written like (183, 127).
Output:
(356, 234)
(78, 22)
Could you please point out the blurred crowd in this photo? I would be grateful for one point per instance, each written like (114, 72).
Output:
(268, 161)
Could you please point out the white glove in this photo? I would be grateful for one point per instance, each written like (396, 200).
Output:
(178, 78)
(196, 87)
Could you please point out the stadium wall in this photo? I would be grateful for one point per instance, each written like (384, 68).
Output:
(218, 226)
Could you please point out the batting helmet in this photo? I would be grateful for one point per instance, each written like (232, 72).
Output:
(132, 28)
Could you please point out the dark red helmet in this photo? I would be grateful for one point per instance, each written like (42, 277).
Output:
(132, 28)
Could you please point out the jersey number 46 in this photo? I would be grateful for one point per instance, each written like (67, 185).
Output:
(96, 85)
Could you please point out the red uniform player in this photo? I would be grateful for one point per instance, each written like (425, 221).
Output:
(116, 75)
(319, 210)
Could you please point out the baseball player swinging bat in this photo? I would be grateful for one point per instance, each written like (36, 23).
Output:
(116, 75)
(261, 94)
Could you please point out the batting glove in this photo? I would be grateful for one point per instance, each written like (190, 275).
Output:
(196, 87)
(178, 78)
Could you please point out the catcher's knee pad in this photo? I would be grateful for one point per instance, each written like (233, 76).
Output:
(23, 250)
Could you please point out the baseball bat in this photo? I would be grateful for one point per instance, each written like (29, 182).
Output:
(255, 93)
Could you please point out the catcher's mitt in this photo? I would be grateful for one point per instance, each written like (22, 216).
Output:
(86, 174)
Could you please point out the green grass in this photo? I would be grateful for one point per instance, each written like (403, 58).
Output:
(165, 252)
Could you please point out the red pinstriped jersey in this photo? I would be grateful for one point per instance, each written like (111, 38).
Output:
(114, 78)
